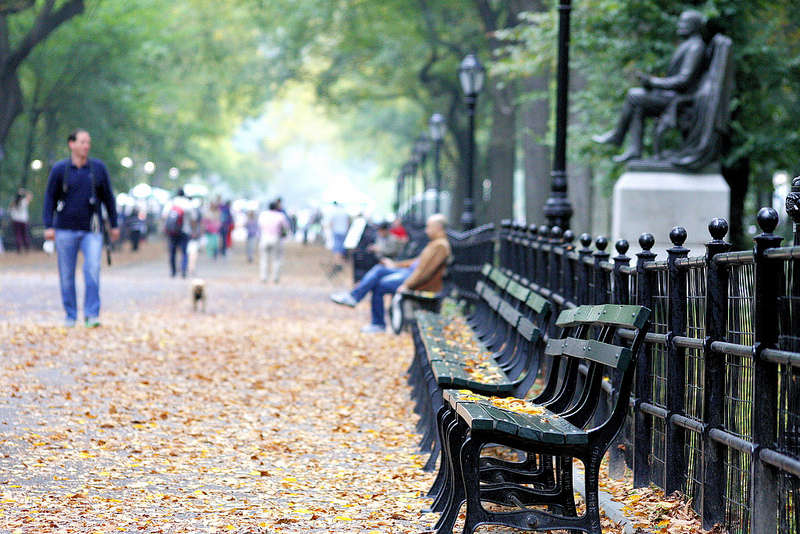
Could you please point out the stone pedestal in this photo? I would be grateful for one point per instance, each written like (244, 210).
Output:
(655, 202)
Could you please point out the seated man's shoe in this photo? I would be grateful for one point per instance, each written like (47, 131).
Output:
(373, 329)
(69, 323)
(92, 322)
(344, 298)
(628, 155)
(608, 138)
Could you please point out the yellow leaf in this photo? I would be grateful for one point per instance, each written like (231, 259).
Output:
(343, 518)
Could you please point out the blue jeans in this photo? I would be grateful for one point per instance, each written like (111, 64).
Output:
(68, 243)
(178, 242)
(380, 280)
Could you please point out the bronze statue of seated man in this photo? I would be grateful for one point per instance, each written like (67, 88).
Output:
(651, 100)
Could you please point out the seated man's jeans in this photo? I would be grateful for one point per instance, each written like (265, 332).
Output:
(68, 243)
(380, 280)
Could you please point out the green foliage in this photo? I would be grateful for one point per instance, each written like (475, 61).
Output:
(612, 39)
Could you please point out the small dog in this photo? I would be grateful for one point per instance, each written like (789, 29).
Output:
(198, 293)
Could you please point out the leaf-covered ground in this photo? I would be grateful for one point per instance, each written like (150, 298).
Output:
(269, 412)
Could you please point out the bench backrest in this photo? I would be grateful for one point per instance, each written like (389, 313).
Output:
(607, 317)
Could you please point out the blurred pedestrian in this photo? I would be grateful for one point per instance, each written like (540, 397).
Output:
(211, 226)
(179, 220)
(339, 224)
(137, 227)
(72, 215)
(386, 244)
(225, 226)
(273, 227)
(251, 226)
(18, 213)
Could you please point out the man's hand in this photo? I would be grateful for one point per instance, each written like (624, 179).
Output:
(114, 234)
(49, 234)
(644, 79)
(386, 262)
(403, 288)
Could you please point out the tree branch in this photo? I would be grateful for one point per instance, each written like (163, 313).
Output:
(46, 22)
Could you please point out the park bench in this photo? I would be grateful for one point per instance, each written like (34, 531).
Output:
(498, 354)
(551, 430)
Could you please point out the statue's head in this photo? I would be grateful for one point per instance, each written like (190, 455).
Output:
(690, 23)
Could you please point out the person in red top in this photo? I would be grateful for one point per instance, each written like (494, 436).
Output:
(398, 231)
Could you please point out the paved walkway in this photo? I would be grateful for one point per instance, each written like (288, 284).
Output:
(267, 413)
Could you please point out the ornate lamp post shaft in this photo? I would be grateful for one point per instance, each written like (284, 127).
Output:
(558, 209)
(436, 124)
(471, 74)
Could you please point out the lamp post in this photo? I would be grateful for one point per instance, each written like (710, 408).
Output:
(471, 74)
(436, 126)
(558, 209)
(421, 147)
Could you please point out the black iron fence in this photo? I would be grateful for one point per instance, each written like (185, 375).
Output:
(717, 408)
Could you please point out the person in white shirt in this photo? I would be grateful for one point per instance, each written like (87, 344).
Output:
(339, 224)
(273, 227)
(18, 213)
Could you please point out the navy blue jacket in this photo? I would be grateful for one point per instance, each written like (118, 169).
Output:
(77, 211)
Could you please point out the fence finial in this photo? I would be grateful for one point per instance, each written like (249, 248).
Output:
(718, 228)
(568, 237)
(586, 240)
(767, 220)
(793, 201)
(556, 232)
(601, 243)
(544, 231)
(622, 246)
(646, 241)
(678, 236)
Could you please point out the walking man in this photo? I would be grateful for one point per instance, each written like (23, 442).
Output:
(73, 218)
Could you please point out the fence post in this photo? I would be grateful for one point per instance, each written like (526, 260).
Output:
(541, 262)
(584, 271)
(620, 295)
(675, 457)
(516, 248)
(600, 279)
(554, 265)
(643, 425)
(716, 321)
(567, 272)
(768, 275)
(531, 253)
(793, 209)
(505, 243)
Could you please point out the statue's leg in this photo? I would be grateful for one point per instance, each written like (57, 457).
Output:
(617, 135)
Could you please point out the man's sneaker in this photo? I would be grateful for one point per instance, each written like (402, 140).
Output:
(69, 323)
(344, 298)
(373, 329)
(93, 322)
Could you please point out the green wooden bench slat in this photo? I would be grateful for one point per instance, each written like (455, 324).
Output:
(624, 315)
(486, 269)
(503, 420)
(596, 351)
(554, 347)
(499, 279)
(528, 330)
(537, 303)
(518, 291)
(566, 318)
(475, 416)
(509, 314)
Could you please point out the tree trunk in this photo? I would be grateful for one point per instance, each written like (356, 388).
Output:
(534, 114)
(501, 154)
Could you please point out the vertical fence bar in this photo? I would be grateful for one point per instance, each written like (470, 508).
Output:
(530, 254)
(616, 456)
(600, 285)
(505, 243)
(522, 252)
(541, 262)
(584, 270)
(643, 425)
(675, 456)
(516, 232)
(620, 279)
(567, 271)
(554, 265)
(768, 273)
(716, 321)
